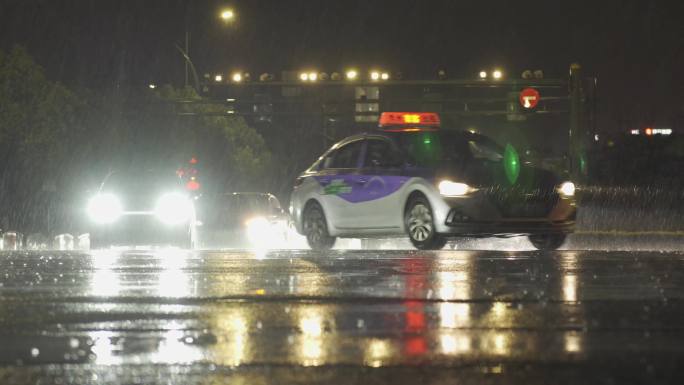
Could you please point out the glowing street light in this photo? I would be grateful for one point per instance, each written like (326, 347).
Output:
(308, 76)
(497, 74)
(384, 76)
(152, 86)
(227, 15)
(375, 75)
(218, 78)
(351, 74)
(483, 74)
(237, 77)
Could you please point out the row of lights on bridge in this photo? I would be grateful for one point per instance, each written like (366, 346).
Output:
(308, 76)
(497, 74)
(336, 76)
(352, 74)
(313, 76)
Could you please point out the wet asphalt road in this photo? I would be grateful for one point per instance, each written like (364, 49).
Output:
(397, 317)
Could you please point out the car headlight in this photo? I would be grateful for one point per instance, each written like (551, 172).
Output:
(173, 208)
(567, 189)
(454, 189)
(258, 229)
(104, 208)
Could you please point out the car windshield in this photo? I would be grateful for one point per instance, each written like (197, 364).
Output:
(248, 203)
(141, 182)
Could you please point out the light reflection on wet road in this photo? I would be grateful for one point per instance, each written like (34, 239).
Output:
(180, 317)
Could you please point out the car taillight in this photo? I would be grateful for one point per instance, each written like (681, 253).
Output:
(298, 182)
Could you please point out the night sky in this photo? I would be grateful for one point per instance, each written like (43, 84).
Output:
(635, 48)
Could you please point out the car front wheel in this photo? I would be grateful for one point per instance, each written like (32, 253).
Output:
(420, 225)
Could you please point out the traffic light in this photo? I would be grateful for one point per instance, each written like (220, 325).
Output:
(189, 175)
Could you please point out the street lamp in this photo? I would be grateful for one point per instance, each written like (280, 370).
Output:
(227, 15)
(308, 76)
(483, 74)
(237, 77)
(497, 74)
(351, 74)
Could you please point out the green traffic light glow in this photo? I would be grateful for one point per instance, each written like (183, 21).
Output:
(427, 141)
(511, 164)
(583, 164)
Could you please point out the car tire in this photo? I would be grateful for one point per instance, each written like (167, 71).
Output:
(547, 242)
(316, 228)
(420, 225)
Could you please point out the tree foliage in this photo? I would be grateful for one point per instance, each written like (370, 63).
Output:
(38, 120)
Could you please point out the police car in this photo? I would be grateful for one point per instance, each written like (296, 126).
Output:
(413, 178)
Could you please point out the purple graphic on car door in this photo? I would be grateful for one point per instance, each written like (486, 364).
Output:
(355, 188)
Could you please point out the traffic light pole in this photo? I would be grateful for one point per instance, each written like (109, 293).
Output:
(577, 140)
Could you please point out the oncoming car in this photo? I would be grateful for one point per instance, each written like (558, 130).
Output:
(242, 219)
(413, 177)
(141, 208)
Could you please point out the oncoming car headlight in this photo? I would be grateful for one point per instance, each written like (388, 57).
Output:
(104, 208)
(173, 208)
(258, 229)
(454, 189)
(567, 189)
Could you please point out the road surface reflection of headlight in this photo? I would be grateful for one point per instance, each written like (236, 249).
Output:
(258, 229)
(104, 208)
(173, 208)
(567, 189)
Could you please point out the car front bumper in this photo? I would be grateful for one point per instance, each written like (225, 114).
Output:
(140, 230)
(478, 216)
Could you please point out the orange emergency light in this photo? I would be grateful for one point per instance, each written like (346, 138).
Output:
(409, 121)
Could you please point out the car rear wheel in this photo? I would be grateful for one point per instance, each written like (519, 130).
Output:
(420, 225)
(547, 242)
(316, 228)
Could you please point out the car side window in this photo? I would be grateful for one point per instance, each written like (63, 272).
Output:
(381, 154)
(484, 150)
(346, 156)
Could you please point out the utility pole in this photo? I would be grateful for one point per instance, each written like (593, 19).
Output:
(577, 150)
(187, 52)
